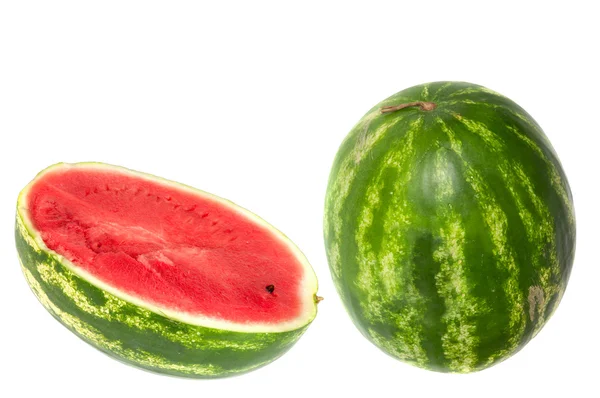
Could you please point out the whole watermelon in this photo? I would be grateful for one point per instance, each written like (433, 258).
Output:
(449, 226)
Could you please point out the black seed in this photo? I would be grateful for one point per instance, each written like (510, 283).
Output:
(270, 288)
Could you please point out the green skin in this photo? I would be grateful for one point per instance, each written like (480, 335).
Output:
(450, 232)
(135, 335)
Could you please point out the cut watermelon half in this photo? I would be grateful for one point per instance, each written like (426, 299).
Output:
(159, 246)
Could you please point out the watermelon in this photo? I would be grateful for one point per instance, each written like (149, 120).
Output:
(160, 275)
(449, 226)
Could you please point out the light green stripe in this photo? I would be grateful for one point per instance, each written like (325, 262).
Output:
(443, 173)
(460, 340)
(464, 91)
(475, 90)
(425, 92)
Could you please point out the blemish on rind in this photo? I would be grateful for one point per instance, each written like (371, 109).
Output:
(536, 301)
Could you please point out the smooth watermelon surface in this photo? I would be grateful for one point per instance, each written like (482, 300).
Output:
(160, 275)
(449, 226)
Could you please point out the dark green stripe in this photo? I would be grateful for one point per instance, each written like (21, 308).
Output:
(425, 268)
(376, 232)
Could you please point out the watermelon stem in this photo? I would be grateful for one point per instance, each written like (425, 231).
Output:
(425, 106)
(318, 299)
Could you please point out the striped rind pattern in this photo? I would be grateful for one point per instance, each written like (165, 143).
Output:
(450, 233)
(135, 335)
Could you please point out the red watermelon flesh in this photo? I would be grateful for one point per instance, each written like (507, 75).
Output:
(168, 245)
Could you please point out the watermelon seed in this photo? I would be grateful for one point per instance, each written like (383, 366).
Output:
(270, 288)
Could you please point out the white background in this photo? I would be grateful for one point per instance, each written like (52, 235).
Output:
(250, 100)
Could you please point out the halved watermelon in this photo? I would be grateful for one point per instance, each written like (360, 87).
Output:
(161, 275)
